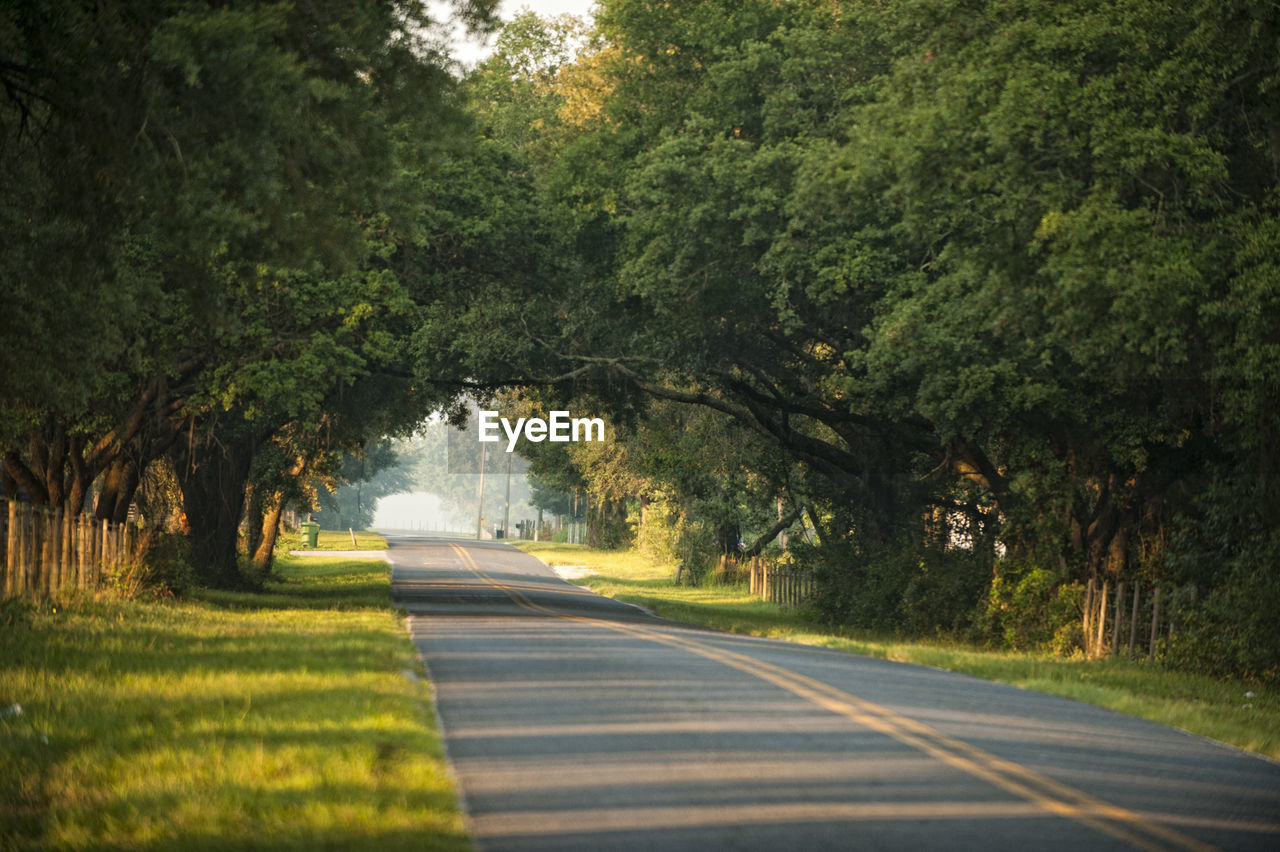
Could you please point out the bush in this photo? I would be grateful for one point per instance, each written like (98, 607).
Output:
(905, 587)
(1230, 545)
(668, 535)
(164, 565)
(1234, 632)
(943, 590)
(1031, 608)
(15, 612)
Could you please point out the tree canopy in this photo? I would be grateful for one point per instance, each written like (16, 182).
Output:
(975, 293)
(1008, 264)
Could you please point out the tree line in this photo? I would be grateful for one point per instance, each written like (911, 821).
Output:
(223, 224)
(981, 294)
(976, 297)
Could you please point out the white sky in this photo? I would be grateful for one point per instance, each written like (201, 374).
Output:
(470, 51)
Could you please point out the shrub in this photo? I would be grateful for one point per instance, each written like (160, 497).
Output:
(905, 586)
(1029, 608)
(1234, 632)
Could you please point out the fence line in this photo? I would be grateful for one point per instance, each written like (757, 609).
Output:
(786, 587)
(1149, 615)
(49, 552)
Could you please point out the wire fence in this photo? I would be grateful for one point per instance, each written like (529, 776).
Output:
(1125, 619)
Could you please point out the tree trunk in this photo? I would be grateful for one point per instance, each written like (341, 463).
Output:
(124, 497)
(254, 515)
(8, 485)
(79, 478)
(607, 523)
(213, 477)
(24, 479)
(119, 484)
(267, 533)
(53, 473)
(727, 538)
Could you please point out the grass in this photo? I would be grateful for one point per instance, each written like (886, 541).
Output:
(296, 718)
(1210, 707)
(337, 540)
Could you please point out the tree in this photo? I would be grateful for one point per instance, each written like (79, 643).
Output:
(951, 263)
(234, 172)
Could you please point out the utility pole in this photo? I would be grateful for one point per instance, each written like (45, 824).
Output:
(480, 507)
(506, 506)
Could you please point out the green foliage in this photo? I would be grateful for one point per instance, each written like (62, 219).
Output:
(1011, 260)
(1234, 631)
(656, 537)
(15, 613)
(914, 591)
(166, 565)
(1232, 546)
(227, 216)
(1032, 610)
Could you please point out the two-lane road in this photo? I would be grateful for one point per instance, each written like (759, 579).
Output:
(577, 722)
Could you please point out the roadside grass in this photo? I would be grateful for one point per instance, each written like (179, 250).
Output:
(336, 540)
(1214, 708)
(292, 719)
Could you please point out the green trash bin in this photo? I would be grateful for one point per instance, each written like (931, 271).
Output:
(310, 534)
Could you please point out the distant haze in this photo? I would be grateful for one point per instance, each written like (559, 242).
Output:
(418, 510)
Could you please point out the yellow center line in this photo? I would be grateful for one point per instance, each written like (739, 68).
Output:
(1053, 796)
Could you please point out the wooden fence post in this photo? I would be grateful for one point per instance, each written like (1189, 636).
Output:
(11, 552)
(1102, 620)
(33, 547)
(20, 557)
(64, 547)
(78, 537)
(46, 553)
(1088, 617)
(95, 544)
(33, 554)
(1133, 619)
(1115, 624)
(87, 532)
(103, 553)
(54, 538)
(1155, 624)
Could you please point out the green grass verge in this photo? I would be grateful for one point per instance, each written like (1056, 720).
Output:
(281, 720)
(1207, 706)
(336, 540)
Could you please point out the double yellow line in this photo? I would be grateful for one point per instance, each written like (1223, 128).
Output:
(1054, 797)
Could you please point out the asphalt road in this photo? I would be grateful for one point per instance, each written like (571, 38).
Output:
(576, 722)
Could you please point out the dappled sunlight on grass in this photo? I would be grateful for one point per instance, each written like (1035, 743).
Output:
(1243, 715)
(277, 720)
